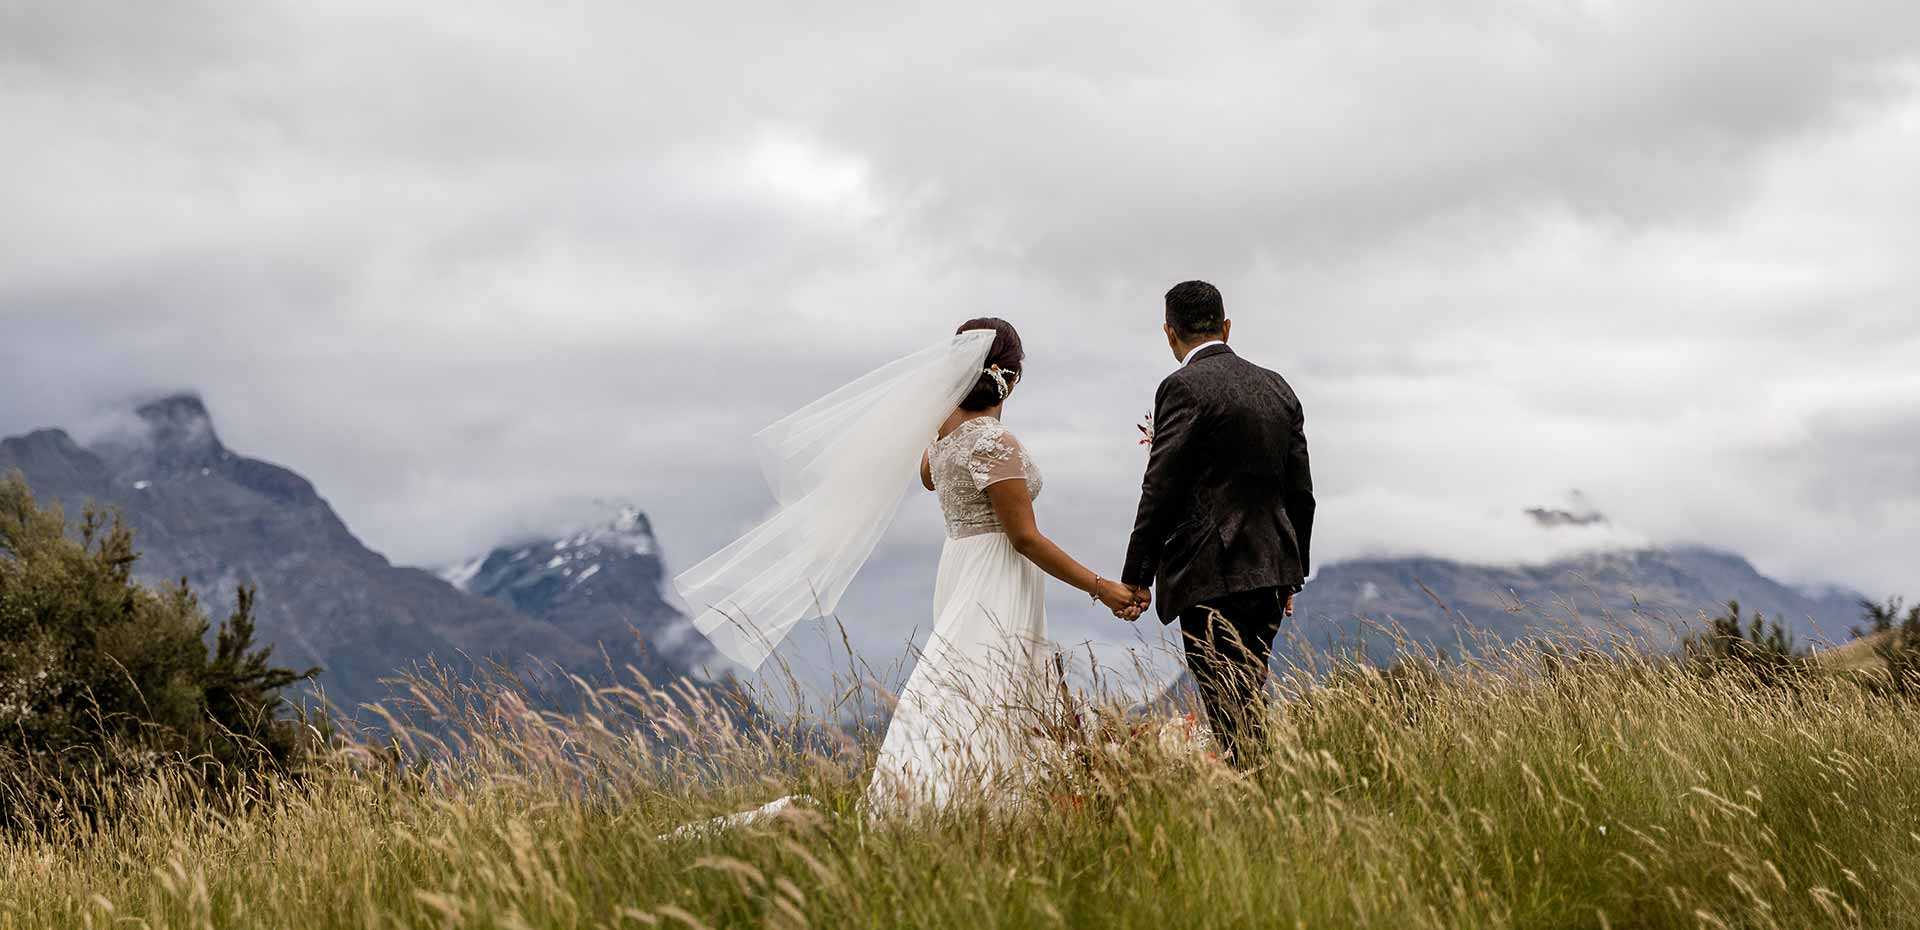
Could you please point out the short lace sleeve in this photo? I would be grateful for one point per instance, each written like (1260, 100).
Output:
(997, 457)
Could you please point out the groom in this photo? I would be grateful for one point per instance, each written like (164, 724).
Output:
(1226, 513)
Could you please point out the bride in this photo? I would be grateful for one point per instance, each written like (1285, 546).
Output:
(838, 467)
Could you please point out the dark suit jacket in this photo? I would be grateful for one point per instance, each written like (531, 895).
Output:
(1227, 504)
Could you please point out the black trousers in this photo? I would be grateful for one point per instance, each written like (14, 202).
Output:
(1229, 642)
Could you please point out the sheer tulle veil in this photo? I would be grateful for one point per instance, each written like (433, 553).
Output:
(839, 468)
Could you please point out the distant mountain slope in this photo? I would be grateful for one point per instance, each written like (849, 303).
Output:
(1375, 607)
(1654, 593)
(219, 520)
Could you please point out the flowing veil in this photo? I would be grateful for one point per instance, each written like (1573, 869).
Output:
(839, 468)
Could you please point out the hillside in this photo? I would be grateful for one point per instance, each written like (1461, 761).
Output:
(1623, 792)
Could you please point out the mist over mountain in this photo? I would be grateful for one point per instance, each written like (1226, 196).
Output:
(219, 520)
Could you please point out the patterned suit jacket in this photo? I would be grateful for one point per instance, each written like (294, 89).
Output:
(1227, 504)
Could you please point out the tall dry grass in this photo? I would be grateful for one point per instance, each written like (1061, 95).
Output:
(1523, 790)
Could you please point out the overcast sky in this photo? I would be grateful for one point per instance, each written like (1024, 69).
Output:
(473, 266)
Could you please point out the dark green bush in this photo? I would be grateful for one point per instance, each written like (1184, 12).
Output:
(103, 681)
(1899, 644)
(1760, 649)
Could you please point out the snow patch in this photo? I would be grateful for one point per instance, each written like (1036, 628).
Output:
(579, 553)
(462, 575)
(627, 531)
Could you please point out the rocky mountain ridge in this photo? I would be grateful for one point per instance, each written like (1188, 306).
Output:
(219, 520)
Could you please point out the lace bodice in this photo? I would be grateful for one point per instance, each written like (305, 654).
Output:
(976, 455)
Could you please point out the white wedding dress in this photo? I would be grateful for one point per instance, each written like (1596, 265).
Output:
(962, 726)
(838, 468)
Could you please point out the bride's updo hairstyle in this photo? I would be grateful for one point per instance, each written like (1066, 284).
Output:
(1006, 353)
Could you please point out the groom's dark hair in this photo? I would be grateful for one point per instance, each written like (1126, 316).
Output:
(1194, 309)
(1006, 353)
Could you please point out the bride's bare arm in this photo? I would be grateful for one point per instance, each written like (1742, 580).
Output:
(926, 471)
(1014, 506)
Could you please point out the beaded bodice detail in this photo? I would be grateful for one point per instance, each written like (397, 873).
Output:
(975, 456)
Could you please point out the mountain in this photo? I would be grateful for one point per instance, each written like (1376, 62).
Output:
(596, 597)
(1655, 593)
(1375, 608)
(1602, 591)
(604, 584)
(220, 520)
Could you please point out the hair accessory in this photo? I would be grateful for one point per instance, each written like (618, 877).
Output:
(999, 377)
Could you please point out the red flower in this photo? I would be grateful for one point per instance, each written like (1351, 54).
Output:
(1146, 430)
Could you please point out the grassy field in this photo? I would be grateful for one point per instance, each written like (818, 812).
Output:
(1520, 793)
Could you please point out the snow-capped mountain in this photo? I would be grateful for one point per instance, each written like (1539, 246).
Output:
(604, 584)
(574, 560)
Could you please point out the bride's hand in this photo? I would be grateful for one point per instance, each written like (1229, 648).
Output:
(1118, 598)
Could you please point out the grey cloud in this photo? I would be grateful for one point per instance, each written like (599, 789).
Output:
(1363, 121)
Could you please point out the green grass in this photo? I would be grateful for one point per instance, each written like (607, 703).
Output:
(1607, 793)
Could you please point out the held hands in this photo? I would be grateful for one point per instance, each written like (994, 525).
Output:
(1126, 601)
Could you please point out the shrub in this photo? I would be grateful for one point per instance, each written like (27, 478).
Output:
(104, 682)
(1760, 649)
(1899, 645)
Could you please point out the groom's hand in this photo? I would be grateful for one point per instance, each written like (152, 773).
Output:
(1116, 597)
(1142, 599)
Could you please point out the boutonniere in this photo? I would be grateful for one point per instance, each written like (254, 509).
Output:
(1146, 430)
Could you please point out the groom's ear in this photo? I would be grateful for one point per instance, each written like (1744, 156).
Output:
(1226, 330)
